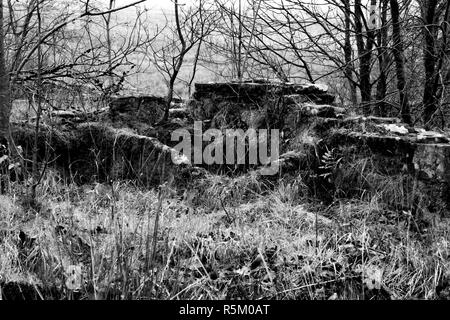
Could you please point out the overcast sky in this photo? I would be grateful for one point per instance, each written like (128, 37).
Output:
(150, 4)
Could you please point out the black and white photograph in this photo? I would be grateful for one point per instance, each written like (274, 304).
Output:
(252, 152)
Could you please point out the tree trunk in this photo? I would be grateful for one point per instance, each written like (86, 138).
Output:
(348, 70)
(365, 57)
(194, 68)
(5, 104)
(169, 99)
(197, 53)
(109, 46)
(35, 167)
(429, 60)
(383, 62)
(239, 57)
(176, 67)
(442, 75)
(5, 108)
(399, 62)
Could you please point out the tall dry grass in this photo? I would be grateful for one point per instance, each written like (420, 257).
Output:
(224, 238)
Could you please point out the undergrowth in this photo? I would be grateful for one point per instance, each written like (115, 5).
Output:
(223, 238)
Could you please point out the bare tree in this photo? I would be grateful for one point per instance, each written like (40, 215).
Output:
(383, 61)
(436, 20)
(365, 43)
(35, 52)
(318, 40)
(199, 47)
(399, 61)
(5, 104)
(227, 47)
(189, 29)
(35, 169)
(80, 56)
(348, 52)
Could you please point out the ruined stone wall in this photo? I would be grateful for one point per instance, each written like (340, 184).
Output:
(249, 104)
(93, 151)
(312, 127)
(124, 144)
(145, 109)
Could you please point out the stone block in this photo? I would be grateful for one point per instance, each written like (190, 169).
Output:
(432, 161)
(146, 109)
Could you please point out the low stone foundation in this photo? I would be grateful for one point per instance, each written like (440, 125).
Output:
(145, 109)
(318, 139)
(89, 152)
(225, 102)
(315, 128)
